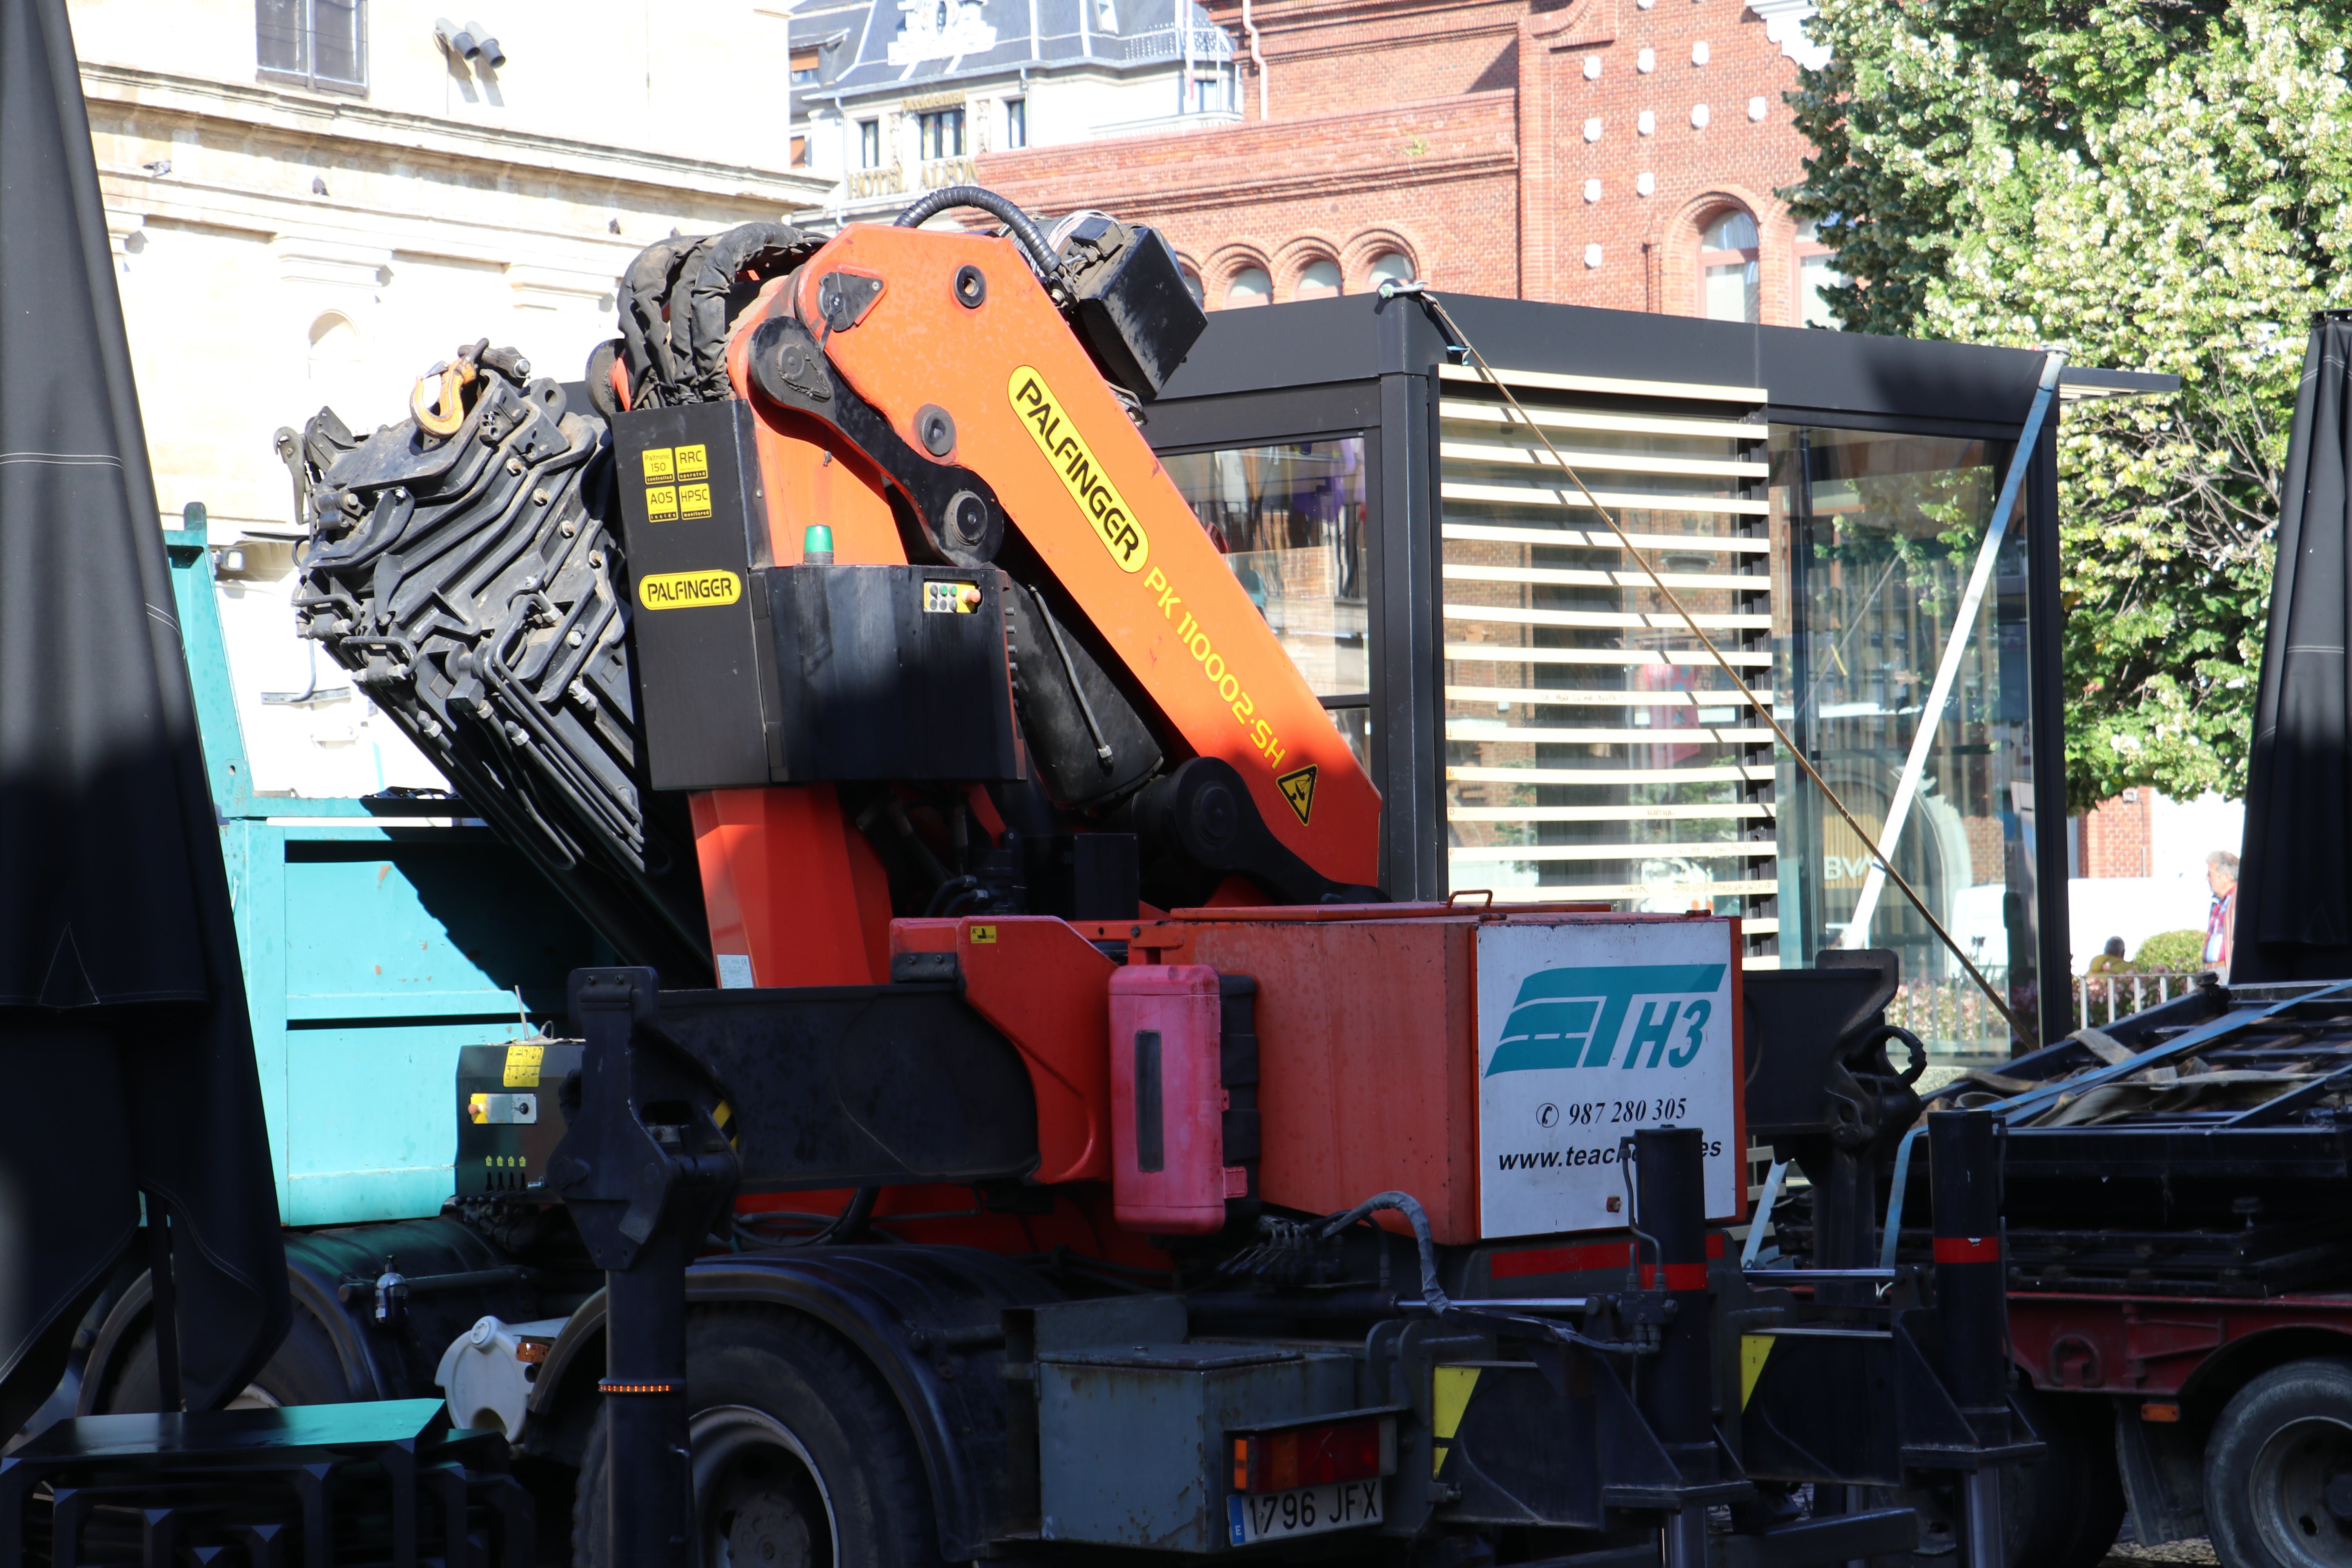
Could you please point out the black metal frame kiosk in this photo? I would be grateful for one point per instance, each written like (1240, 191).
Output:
(1538, 720)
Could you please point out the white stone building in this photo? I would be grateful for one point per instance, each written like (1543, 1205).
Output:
(312, 200)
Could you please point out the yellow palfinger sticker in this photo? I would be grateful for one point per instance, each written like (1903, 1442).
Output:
(1083, 475)
(522, 1066)
(686, 590)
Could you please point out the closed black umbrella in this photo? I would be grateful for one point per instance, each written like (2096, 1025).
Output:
(2295, 887)
(126, 1058)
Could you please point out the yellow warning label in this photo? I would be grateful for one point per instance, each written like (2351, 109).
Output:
(983, 935)
(1298, 789)
(661, 503)
(1754, 1350)
(522, 1066)
(661, 463)
(692, 464)
(685, 589)
(693, 500)
(1082, 474)
(1450, 1388)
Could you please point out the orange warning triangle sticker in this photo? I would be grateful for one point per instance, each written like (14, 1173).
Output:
(1298, 789)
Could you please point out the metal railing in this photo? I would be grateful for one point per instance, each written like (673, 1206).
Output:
(2101, 999)
(1952, 1016)
(1168, 44)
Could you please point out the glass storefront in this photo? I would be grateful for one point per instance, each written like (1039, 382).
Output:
(1874, 536)
(1290, 521)
(1594, 750)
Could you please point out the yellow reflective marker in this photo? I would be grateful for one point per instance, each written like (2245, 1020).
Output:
(1754, 1350)
(1449, 1396)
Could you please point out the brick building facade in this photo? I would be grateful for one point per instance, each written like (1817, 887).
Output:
(2116, 838)
(1587, 153)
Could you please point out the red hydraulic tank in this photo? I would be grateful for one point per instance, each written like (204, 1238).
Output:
(1167, 1160)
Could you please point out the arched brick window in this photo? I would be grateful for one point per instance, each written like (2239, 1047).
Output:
(1729, 271)
(1388, 266)
(1250, 285)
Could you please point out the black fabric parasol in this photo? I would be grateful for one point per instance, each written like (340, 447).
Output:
(2295, 887)
(126, 1057)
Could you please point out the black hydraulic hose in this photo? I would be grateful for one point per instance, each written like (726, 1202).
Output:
(684, 362)
(1431, 1292)
(1433, 1296)
(853, 1219)
(1025, 228)
(642, 290)
(708, 283)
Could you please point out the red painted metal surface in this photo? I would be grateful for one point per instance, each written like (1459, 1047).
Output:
(1047, 989)
(788, 883)
(1166, 1141)
(1367, 1070)
(2151, 1346)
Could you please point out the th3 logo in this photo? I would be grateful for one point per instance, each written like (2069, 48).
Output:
(1575, 1017)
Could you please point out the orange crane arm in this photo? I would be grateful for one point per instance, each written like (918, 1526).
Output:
(1083, 490)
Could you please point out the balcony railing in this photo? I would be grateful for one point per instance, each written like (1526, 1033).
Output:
(1168, 44)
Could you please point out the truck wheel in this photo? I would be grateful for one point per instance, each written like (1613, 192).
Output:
(2064, 1510)
(2278, 1470)
(802, 1459)
(304, 1370)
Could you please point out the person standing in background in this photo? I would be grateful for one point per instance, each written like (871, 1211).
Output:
(2111, 959)
(2222, 917)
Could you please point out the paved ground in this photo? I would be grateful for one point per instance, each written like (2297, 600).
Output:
(2127, 1555)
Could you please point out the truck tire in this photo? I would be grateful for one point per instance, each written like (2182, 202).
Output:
(304, 1370)
(2066, 1509)
(2278, 1470)
(2063, 1510)
(801, 1457)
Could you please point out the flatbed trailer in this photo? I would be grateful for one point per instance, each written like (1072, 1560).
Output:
(2180, 1282)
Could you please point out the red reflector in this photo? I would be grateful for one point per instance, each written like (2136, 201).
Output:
(1308, 1456)
(1967, 1249)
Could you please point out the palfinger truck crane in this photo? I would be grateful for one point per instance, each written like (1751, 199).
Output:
(1033, 870)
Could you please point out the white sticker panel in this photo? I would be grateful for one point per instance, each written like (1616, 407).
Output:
(1587, 1033)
